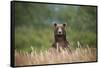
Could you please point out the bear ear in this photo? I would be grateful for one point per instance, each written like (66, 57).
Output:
(55, 24)
(64, 24)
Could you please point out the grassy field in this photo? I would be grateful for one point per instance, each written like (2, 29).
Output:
(27, 37)
(32, 47)
(51, 56)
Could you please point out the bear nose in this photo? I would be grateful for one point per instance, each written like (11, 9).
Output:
(59, 32)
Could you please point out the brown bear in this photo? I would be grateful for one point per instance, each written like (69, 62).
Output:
(60, 41)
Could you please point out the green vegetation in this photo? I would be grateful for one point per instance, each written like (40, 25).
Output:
(34, 25)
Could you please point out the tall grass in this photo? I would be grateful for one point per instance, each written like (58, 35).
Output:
(52, 56)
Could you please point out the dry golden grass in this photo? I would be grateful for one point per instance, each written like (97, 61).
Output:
(52, 56)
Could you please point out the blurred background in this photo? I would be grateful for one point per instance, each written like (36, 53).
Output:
(34, 25)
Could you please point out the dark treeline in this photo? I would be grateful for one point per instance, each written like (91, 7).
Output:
(33, 13)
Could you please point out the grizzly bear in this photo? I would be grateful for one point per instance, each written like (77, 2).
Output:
(60, 41)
